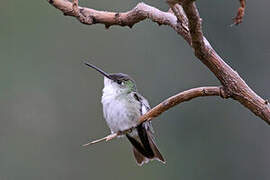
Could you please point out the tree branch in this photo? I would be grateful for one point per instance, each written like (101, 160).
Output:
(167, 104)
(139, 13)
(184, 18)
(240, 12)
(234, 86)
(181, 97)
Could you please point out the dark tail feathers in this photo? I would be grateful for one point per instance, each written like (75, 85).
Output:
(144, 147)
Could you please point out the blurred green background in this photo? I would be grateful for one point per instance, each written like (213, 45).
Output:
(50, 102)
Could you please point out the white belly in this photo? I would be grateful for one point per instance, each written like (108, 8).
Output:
(120, 113)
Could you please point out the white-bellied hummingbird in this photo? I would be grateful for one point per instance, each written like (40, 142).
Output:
(122, 108)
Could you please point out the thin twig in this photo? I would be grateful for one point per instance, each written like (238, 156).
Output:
(240, 13)
(107, 138)
(110, 137)
(181, 97)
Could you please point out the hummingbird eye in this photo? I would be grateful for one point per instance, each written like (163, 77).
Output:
(119, 82)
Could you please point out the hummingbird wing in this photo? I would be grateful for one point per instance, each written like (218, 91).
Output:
(145, 107)
(144, 145)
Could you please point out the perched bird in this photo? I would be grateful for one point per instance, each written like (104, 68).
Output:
(122, 107)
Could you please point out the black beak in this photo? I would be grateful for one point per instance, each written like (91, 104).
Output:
(99, 70)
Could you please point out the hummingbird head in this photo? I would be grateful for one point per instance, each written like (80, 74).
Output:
(116, 81)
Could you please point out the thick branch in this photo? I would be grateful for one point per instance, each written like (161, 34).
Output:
(167, 104)
(234, 86)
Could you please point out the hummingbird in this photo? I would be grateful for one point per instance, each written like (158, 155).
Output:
(122, 108)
